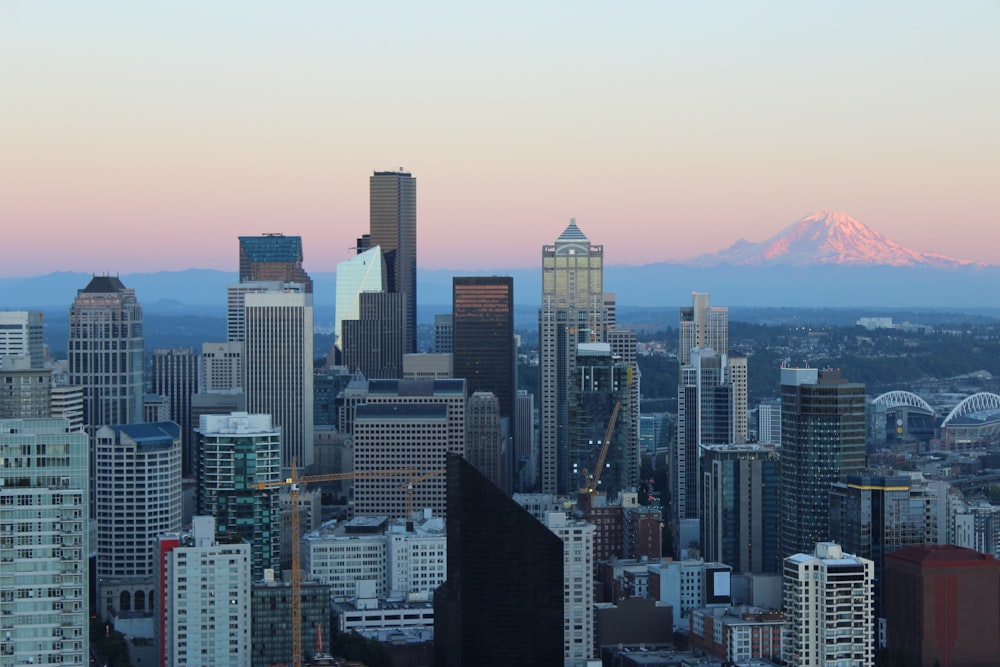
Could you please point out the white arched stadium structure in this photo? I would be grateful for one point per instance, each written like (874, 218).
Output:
(975, 418)
(901, 404)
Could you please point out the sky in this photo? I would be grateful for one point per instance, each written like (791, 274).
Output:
(148, 136)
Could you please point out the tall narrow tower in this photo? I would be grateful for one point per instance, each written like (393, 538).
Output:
(393, 226)
(175, 375)
(483, 349)
(822, 440)
(106, 352)
(278, 368)
(573, 311)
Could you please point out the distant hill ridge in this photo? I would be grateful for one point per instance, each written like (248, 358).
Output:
(824, 259)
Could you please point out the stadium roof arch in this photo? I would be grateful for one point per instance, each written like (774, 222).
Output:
(979, 412)
(897, 399)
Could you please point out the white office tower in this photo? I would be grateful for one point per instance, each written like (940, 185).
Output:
(44, 533)
(21, 336)
(205, 587)
(236, 294)
(361, 273)
(578, 586)
(769, 421)
(829, 606)
(278, 363)
(138, 498)
(221, 367)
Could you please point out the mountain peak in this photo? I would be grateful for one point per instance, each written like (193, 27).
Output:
(825, 237)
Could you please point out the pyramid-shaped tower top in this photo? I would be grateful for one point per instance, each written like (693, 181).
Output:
(104, 285)
(572, 234)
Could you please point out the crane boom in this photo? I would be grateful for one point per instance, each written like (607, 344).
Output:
(596, 477)
(409, 489)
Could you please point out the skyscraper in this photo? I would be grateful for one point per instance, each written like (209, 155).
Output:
(393, 227)
(138, 489)
(175, 375)
(739, 504)
(823, 439)
(875, 516)
(479, 612)
(273, 257)
(410, 424)
(278, 363)
(44, 544)
(483, 336)
(599, 382)
(106, 352)
(483, 347)
(373, 342)
(237, 451)
(236, 295)
(702, 325)
(704, 417)
(197, 628)
(25, 392)
(573, 311)
(21, 336)
(358, 274)
(221, 367)
(828, 607)
(484, 445)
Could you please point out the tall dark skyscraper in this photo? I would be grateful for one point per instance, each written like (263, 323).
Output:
(483, 346)
(502, 603)
(175, 375)
(393, 227)
(483, 336)
(822, 440)
(273, 257)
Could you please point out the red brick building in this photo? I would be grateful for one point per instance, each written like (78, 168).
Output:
(943, 605)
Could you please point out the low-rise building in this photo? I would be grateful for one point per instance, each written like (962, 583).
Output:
(737, 634)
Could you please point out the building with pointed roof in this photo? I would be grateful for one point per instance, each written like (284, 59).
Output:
(106, 352)
(573, 311)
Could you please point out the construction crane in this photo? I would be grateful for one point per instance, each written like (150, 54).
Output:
(293, 483)
(408, 487)
(591, 481)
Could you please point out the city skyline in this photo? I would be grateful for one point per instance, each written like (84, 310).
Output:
(180, 122)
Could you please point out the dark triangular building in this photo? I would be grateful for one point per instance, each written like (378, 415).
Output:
(502, 603)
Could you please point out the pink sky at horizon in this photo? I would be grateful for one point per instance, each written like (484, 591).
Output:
(143, 138)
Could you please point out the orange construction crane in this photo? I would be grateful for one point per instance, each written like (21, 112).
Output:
(408, 487)
(591, 481)
(293, 483)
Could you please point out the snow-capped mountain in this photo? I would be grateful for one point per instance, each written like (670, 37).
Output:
(825, 238)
